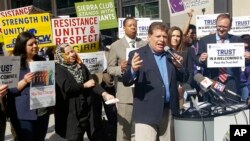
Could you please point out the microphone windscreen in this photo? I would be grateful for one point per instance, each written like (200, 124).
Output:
(198, 78)
(166, 48)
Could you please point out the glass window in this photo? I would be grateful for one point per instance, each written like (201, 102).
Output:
(67, 3)
(146, 10)
(150, 10)
(128, 11)
(20, 3)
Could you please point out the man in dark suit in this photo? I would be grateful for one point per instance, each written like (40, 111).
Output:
(154, 73)
(229, 77)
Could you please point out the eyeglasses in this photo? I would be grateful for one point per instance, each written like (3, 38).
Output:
(221, 26)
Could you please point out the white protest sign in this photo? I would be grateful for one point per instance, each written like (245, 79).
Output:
(9, 70)
(177, 7)
(81, 32)
(205, 24)
(128, 50)
(225, 55)
(240, 25)
(42, 87)
(94, 61)
(142, 27)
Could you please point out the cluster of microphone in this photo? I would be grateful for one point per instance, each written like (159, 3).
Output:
(215, 88)
(217, 92)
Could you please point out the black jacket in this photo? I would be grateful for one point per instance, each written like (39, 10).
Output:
(73, 102)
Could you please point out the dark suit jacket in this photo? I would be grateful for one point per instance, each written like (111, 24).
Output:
(188, 63)
(213, 73)
(18, 104)
(149, 95)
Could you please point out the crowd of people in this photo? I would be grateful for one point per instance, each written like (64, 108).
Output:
(149, 84)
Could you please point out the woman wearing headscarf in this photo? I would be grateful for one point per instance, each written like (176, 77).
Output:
(29, 125)
(74, 85)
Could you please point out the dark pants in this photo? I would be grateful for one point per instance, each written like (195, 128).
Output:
(2, 124)
(78, 134)
(31, 130)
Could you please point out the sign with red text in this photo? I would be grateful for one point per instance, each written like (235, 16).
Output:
(13, 12)
(225, 55)
(38, 24)
(42, 87)
(82, 33)
(104, 9)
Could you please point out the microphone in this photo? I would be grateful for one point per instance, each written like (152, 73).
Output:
(168, 50)
(206, 85)
(188, 91)
(221, 87)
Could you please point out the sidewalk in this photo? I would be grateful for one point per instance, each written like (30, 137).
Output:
(51, 135)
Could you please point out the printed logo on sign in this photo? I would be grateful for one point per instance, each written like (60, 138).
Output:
(239, 132)
(41, 39)
(33, 31)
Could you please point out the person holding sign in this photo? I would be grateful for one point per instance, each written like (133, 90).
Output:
(74, 87)
(117, 64)
(3, 92)
(30, 125)
(228, 76)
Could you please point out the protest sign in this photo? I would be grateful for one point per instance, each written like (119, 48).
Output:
(81, 32)
(240, 25)
(94, 61)
(205, 24)
(177, 7)
(104, 9)
(225, 55)
(142, 27)
(9, 70)
(128, 50)
(13, 12)
(38, 24)
(42, 87)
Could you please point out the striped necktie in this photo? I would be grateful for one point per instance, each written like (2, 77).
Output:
(222, 71)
